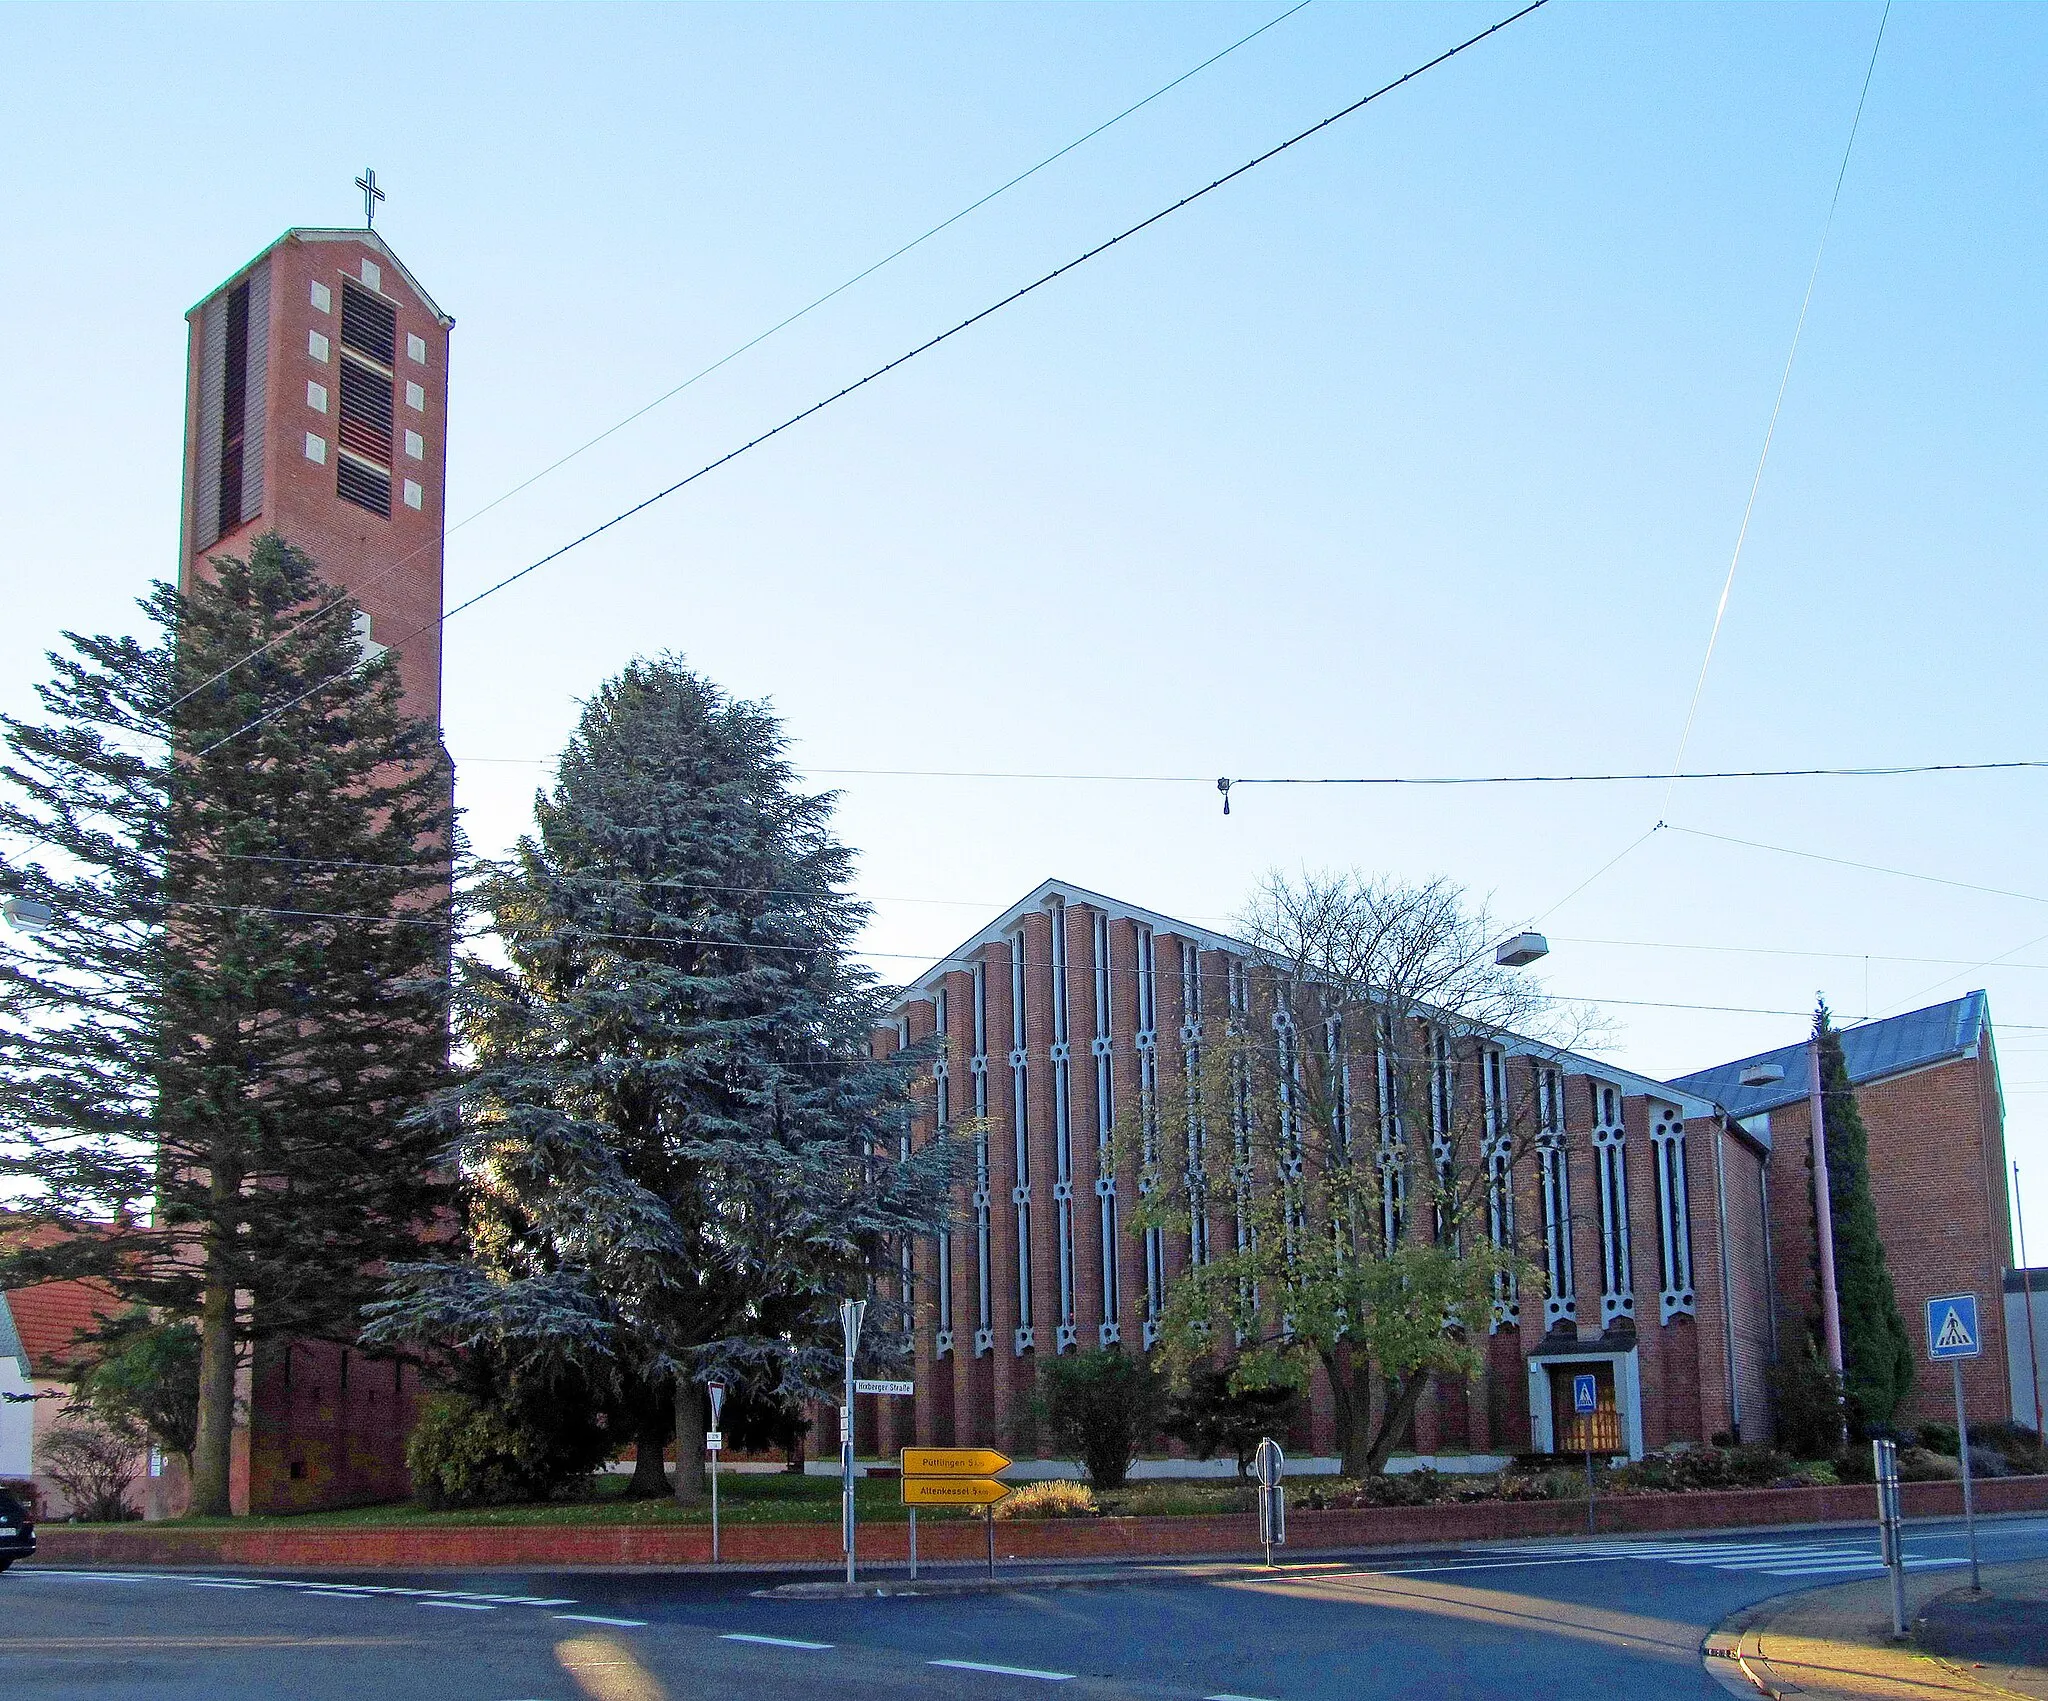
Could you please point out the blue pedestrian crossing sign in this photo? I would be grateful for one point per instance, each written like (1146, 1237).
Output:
(1952, 1327)
(1585, 1394)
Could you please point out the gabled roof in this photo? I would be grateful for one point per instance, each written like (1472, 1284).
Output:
(48, 1317)
(997, 931)
(1940, 1033)
(1005, 924)
(306, 233)
(10, 1338)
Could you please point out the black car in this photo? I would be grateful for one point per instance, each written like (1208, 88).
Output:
(17, 1530)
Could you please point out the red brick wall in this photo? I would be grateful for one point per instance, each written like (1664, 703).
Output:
(327, 1427)
(1937, 1173)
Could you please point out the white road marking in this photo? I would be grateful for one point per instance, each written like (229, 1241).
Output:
(459, 1606)
(1005, 1671)
(772, 1641)
(1227, 1696)
(592, 1618)
(338, 1594)
(227, 1585)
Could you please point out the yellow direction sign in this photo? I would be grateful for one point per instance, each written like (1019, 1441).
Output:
(953, 1491)
(951, 1461)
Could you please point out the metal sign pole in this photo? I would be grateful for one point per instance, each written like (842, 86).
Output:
(1891, 1526)
(1969, 1498)
(850, 1313)
(1271, 1465)
(989, 1515)
(716, 1441)
(913, 1544)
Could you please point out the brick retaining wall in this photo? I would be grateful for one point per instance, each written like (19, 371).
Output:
(547, 1547)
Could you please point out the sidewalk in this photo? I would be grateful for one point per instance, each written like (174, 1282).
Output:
(1836, 1645)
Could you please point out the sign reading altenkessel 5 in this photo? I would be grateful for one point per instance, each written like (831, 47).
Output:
(1952, 1327)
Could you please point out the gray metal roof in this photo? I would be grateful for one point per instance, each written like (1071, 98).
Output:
(1873, 1050)
(10, 1337)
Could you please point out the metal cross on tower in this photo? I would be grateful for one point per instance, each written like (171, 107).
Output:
(371, 196)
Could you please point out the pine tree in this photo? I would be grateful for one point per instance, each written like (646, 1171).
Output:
(246, 982)
(689, 1150)
(1877, 1354)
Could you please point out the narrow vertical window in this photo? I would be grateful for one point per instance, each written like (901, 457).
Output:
(1561, 1305)
(1191, 1081)
(1067, 1334)
(1610, 1152)
(1102, 1047)
(234, 410)
(1443, 1108)
(942, 1118)
(1497, 1155)
(1392, 1159)
(369, 334)
(1237, 987)
(1146, 1042)
(1020, 1126)
(984, 1197)
(1674, 1219)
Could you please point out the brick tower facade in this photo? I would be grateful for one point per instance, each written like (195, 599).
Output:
(316, 407)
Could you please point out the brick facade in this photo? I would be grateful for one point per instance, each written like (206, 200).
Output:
(1683, 1298)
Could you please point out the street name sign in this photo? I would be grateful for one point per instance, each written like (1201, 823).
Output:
(951, 1461)
(953, 1491)
(1952, 1327)
(713, 1441)
(882, 1385)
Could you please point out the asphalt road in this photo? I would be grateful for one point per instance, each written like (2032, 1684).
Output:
(1616, 1618)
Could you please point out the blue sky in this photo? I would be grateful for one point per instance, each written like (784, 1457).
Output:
(1420, 450)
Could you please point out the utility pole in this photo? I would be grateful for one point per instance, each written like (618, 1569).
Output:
(1823, 1213)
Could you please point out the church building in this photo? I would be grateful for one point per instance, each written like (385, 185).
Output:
(1671, 1222)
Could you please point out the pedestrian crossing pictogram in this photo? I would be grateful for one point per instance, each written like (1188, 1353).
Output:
(1952, 1330)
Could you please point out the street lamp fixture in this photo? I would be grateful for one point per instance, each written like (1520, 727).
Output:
(26, 915)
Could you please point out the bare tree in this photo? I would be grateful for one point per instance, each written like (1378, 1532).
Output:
(94, 1466)
(1377, 1079)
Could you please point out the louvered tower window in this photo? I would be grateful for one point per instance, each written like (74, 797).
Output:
(369, 340)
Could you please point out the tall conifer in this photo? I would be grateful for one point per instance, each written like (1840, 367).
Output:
(1877, 1355)
(686, 1151)
(245, 985)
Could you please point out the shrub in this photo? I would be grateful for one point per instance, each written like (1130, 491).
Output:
(94, 1467)
(464, 1453)
(1807, 1398)
(1938, 1438)
(1049, 1500)
(1986, 1463)
(1212, 1416)
(2016, 1442)
(1855, 1465)
(1916, 1464)
(1101, 1406)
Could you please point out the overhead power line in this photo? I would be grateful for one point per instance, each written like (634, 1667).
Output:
(761, 337)
(1885, 771)
(887, 367)
(1866, 867)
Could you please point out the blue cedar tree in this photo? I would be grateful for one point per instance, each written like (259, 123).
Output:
(690, 1153)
